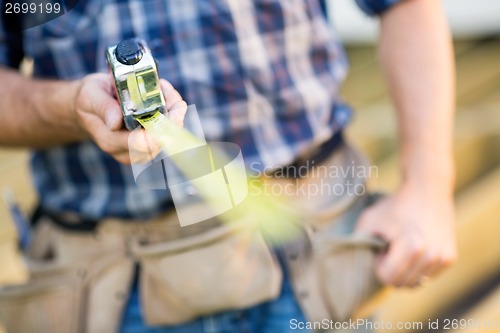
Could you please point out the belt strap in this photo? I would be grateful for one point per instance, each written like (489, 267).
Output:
(73, 222)
(319, 155)
(69, 222)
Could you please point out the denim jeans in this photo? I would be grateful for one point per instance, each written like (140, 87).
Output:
(269, 317)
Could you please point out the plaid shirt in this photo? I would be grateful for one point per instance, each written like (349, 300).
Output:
(263, 74)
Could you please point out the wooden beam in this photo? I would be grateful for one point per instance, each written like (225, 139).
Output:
(365, 84)
(484, 317)
(15, 175)
(477, 139)
(477, 72)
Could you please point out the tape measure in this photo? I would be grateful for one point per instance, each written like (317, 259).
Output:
(136, 80)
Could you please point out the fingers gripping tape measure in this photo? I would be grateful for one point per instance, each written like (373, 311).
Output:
(214, 178)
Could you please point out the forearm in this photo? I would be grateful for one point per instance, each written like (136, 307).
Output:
(416, 55)
(37, 113)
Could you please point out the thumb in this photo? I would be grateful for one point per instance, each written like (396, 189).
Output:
(98, 89)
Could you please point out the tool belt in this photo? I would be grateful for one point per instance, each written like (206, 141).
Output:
(80, 280)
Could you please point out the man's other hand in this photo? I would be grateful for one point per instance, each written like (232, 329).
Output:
(420, 229)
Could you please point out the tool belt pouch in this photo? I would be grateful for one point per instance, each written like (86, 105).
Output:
(52, 301)
(345, 264)
(342, 264)
(228, 267)
(334, 271)
(78, 283)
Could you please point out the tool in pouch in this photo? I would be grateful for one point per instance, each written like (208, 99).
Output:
(213, 175)
(14, 236)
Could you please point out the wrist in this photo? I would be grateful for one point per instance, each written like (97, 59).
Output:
(55, 105)
(72, 90)
(437, 182)
(430, 170)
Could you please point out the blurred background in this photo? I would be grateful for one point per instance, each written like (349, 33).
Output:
(471, 288)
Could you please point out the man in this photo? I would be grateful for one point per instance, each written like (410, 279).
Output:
(263, 74)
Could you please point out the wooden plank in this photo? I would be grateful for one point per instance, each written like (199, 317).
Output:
(15, 175)
(374, 131)
(365, 84)
(477, 72)
(11, 158)
(12, 175)
(373, 126)
(477, 143)
(478, 212)
(364, 87)
(360, 57)
(470, 156)
(484, 317)
(493, 98)
(463, 46)
(473, 157)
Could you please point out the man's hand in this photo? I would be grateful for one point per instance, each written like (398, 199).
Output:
(420, 229)
(417, 60)
(99, 114)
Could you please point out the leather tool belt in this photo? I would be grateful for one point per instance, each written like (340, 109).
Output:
(80, 279)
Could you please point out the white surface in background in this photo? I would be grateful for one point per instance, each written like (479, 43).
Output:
(468, 18)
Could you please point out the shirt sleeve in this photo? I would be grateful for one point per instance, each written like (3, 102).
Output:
(11, 41)
(376, 7)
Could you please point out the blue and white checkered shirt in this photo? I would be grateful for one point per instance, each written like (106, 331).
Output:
(263, 74)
